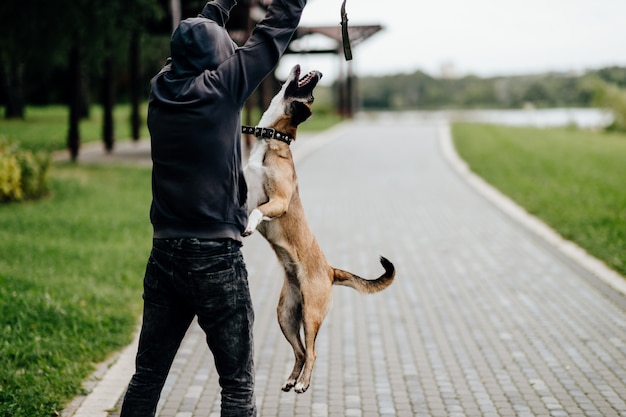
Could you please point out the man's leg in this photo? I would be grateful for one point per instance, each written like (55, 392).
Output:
(165, 321)
(228, 326)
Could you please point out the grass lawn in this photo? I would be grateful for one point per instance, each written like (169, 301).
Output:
(71, 269)
(573, 180)
(71, 264)
(46, 128)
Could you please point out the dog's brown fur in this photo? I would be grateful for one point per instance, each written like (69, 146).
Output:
(277, 212)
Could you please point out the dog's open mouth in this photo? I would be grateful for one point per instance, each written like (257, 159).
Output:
(302, 87)
(308, 78)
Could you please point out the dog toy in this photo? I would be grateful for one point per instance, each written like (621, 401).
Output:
(347, 51)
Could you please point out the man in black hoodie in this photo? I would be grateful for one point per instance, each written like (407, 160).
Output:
(199, 202)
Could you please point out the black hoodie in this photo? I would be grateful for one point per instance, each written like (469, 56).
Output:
(194, 118)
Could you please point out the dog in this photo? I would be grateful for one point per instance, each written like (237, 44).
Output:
(276, 211)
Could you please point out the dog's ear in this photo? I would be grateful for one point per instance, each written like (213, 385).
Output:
(299, 112)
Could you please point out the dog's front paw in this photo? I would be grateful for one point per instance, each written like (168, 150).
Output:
(253, 221)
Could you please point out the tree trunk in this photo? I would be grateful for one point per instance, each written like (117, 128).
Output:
(108, 98)
(176, 8)
(13, 83)
(73, 139)
(135, 86)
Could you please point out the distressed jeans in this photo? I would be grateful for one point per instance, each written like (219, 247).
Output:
(187, 278)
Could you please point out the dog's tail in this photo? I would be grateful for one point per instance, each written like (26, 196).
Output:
(366, 286)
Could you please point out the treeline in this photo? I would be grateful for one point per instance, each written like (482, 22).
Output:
(44, 45)
(422, 91)
(81, 52)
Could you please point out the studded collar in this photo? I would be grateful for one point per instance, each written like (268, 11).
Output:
(267, 133)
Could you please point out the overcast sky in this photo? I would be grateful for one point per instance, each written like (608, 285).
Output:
(480, 37)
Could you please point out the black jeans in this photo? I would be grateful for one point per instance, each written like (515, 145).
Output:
(185, 278)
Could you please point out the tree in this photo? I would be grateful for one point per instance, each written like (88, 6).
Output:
(108, 26)
(610, 96)
(88, 34)
(28, 37)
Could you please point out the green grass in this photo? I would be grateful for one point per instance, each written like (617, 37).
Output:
(71, 265)
(45, 128)
(71, 269)
(573, 180)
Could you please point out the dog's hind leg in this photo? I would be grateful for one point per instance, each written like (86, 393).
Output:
(290, 319)
(315, 312)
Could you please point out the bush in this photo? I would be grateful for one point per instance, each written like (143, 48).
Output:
(612, 97)
(23, 174)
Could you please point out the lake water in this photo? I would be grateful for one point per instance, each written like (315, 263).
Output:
(582, 117)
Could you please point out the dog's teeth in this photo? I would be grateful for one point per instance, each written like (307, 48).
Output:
(305, 80)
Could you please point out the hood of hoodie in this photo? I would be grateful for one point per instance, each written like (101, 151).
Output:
(199, 44)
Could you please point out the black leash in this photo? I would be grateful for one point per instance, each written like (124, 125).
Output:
(267, 133)
(347, 50)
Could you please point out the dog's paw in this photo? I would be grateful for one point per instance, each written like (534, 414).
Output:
(301, 387)
(253, 221)
(288, 385)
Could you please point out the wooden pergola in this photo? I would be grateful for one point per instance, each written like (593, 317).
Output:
(247, 13)
(346, 83)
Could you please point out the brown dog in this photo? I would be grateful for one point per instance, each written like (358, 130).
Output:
(276, 211)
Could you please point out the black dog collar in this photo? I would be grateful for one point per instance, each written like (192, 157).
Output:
(267, 133)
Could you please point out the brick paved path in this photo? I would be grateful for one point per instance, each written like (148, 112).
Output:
(484, 318)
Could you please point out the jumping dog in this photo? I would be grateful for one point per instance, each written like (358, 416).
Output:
(275, 209)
